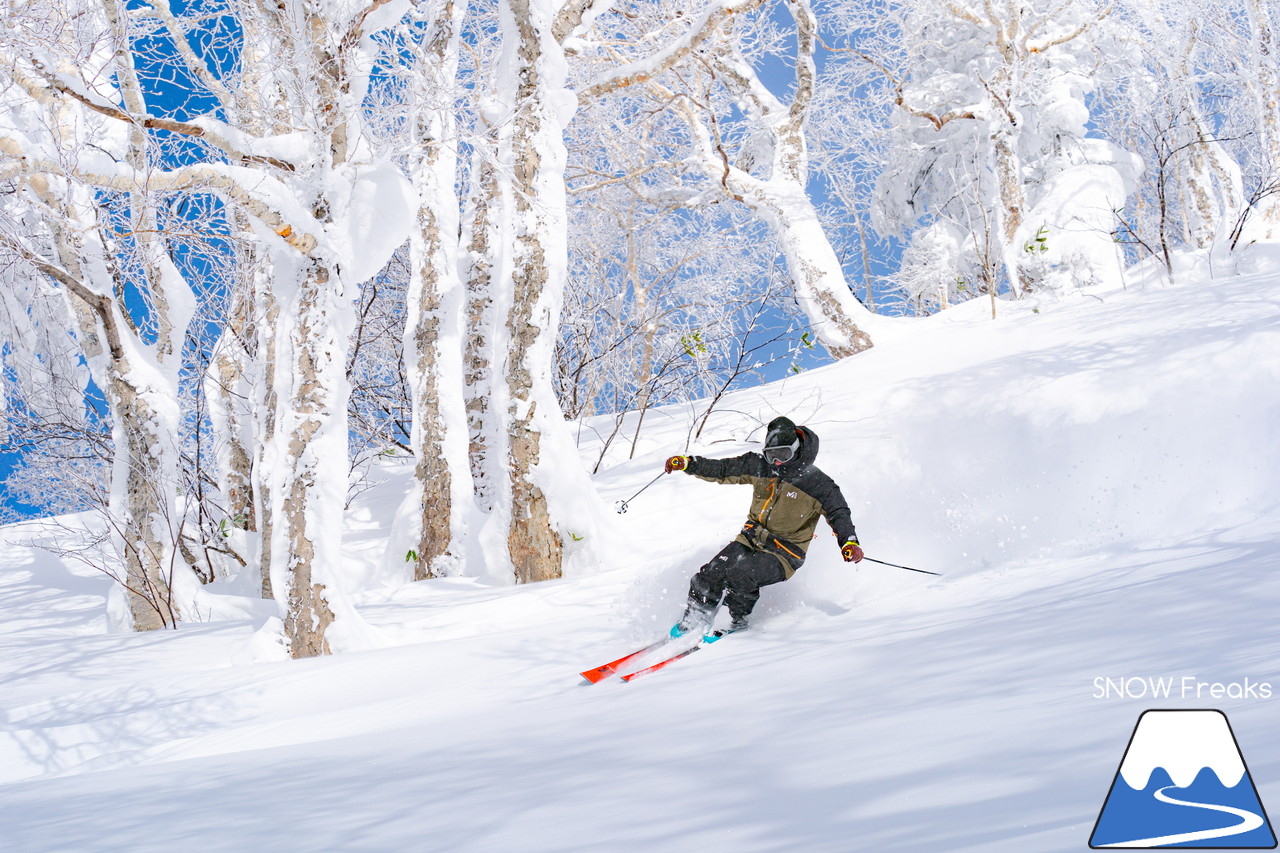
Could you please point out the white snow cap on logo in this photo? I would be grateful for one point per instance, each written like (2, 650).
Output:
(1183, 743)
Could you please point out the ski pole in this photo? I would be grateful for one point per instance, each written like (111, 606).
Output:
(908, 568)
(621, 506)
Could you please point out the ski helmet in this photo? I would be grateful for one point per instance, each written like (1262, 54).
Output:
(782, 442)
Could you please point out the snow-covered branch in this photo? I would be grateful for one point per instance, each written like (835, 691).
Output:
(900, 98)
(575, 15)
(205, 130)
(100, 304)
(1041, 45)
(263, 197)
(643, 70)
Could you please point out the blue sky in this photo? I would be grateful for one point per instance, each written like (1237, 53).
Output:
(11, 504)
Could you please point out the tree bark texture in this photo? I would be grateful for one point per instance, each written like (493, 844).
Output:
(311, 420)
(535, 546)
(434, 310)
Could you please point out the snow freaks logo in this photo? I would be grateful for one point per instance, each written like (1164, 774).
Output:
(1183, 783)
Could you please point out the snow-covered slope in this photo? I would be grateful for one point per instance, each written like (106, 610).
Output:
(1094, 477)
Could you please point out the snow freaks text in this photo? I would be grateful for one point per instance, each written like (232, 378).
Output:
(1178, 687)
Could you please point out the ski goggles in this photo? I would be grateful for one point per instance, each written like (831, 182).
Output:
(779, 454)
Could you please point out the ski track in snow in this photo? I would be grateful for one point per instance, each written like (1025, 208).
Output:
(1096, 481)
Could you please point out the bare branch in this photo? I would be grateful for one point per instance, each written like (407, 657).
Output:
(610, 180)
(194, 64)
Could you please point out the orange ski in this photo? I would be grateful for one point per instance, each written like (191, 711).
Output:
(602, 672)
(660, 664)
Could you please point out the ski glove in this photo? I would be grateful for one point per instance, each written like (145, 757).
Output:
(677, 463)
(852, 552)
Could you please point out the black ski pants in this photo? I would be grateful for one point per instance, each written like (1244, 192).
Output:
(737, 573)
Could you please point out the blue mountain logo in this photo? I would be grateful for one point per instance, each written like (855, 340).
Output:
(1183, 783)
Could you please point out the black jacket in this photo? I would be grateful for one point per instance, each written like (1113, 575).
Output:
(786, 502)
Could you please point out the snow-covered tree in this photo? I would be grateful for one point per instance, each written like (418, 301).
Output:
(742, 141)
(1199, 108)
(229, 389)
(989, 129)
(328, 208)
(87, 174)
(1259, 79)
(660, 304)
(64, 445)
(525, 472)
(437, 505)
(348, 209)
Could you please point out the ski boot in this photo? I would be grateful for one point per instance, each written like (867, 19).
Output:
(739, 623)
(694, 616)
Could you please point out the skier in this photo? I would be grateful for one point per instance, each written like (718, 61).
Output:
(790, 493)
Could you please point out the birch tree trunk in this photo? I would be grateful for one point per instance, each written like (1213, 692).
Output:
(266, 403)
(840, 321)
(534, 148)
(482, 239)
(229, 390)
(309, 489)
(1011, 199)
(142, 396)
(524, 466)
(441, 486)
(316, 64)
(1010, 41)
(1214, 185)
(1265, 82)
(142, 385)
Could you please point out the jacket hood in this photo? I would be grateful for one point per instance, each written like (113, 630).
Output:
(808, 448)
